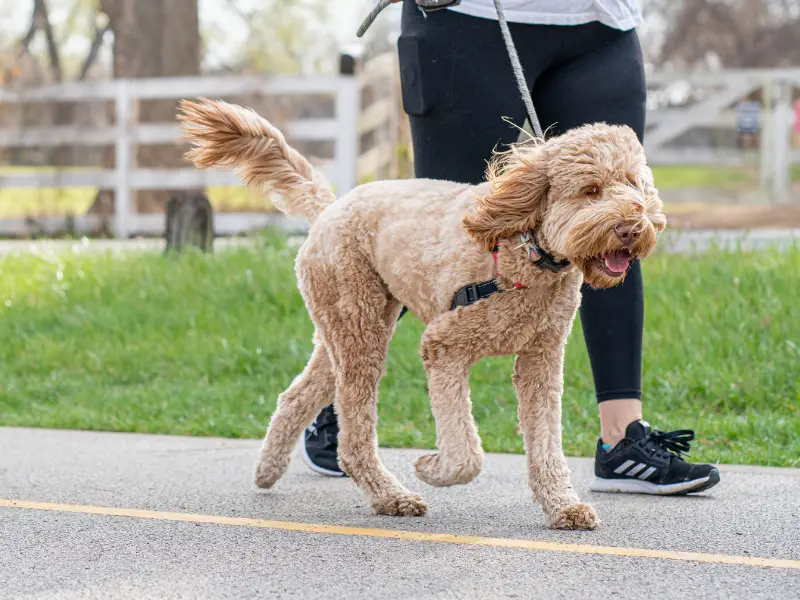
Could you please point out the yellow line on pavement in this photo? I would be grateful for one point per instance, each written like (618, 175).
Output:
(414, 536)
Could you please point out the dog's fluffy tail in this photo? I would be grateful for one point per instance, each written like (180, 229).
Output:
(232, 137)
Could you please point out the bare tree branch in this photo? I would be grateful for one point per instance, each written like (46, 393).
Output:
(94, 51)
(43, 18)
(737, 33)
(25, 43)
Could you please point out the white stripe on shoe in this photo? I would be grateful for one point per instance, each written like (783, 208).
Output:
(635, 470)
(647, 473)
(623, 467)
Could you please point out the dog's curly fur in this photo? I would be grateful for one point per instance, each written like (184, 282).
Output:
(414, 243)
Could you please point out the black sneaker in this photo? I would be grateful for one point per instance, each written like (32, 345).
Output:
(650, 462)
(320, 444)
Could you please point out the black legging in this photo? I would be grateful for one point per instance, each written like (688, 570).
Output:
(457, 87)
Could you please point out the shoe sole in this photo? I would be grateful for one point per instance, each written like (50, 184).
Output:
(636, 486)
(316, 468)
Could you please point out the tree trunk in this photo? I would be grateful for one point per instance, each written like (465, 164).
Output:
(153, 38)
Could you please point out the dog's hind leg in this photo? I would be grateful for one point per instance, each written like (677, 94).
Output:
(538, 379)
(313, 389)
(460, 456)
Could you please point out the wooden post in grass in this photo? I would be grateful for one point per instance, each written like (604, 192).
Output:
(190, 222)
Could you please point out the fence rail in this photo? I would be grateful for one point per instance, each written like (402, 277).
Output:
(717, 93)
(344, 129)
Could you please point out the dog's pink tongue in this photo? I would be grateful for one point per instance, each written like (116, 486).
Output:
(616, 262)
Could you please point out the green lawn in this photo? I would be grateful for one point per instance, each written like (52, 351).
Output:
(702, 176)
(202, 345)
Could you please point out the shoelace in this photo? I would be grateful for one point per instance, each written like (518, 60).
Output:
(675, 443)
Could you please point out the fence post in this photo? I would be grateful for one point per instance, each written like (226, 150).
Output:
(347, 110)
(781, 157)
(124, 159)
(767, 131)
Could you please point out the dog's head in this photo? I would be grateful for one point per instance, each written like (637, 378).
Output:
(588, 194)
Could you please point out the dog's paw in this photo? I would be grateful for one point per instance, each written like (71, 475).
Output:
(575, 516)
(435, 470)
(401, 505)
(268, 473)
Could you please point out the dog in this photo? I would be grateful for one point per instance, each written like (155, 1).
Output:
(549, 216)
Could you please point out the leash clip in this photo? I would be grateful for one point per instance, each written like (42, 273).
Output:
(425, 6)
(434, 5)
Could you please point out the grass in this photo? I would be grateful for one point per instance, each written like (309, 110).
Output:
(701, 176)
(202, 345)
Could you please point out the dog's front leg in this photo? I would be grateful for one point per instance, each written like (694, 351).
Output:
(460, 456)
(539, 381)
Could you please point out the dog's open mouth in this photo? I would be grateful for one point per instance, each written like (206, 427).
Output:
(614, 264)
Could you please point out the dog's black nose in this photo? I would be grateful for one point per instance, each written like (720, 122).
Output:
(627, 234)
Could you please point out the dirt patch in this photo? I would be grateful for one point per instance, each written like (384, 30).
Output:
(732, 216)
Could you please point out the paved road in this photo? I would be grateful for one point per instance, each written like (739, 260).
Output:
(58, 554)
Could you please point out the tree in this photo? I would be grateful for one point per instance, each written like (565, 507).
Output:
(81, 13)
(286, 37)
(728, 33)
(153, 38)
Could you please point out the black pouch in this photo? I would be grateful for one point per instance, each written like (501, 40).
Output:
(413, 92)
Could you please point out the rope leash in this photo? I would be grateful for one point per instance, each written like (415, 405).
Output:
(511, 48)
(372, 16)
(516, 66)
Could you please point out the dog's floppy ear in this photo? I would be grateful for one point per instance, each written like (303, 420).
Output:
(518, 186)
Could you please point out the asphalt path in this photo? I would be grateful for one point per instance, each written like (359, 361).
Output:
(108, 515)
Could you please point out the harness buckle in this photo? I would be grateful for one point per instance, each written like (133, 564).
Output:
(466, 296)
(472, 290)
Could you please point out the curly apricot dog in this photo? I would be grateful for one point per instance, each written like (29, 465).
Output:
(577, 207)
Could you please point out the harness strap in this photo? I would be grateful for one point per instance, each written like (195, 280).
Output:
(469, 294)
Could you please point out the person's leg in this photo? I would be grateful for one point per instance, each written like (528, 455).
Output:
(600, 77)
(457, 86)
(604, 82)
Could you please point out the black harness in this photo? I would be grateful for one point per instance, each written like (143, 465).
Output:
(469, 294)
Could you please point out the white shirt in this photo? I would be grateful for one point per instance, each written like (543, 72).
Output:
(619, 14)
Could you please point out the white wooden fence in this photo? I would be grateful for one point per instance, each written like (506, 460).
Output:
(345, 128)
(364, 130)
(716, 95)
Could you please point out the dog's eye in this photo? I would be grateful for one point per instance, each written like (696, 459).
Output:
(592, 191)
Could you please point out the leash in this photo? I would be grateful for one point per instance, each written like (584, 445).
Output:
(516, 65)
(372, 16)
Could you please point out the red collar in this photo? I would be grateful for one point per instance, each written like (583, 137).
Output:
(517, 286)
